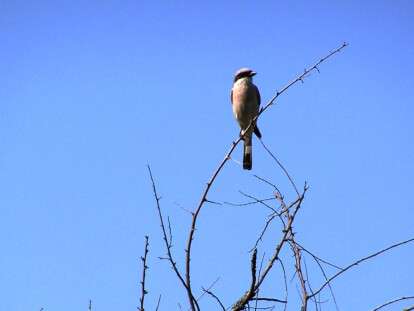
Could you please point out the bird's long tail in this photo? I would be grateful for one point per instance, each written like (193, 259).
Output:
(247, 152)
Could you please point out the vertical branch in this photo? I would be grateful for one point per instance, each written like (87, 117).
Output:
(285, 281)
(299, 273)
(194, 222)
(144, 270)
(249, 295)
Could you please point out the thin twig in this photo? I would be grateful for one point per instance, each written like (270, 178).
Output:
(144, 270)
(272, 217)
(158, 303)
(318, 258)
(318, 261)
(360, 261)
(269, 183)
(208, 288)
(393, 301)
(168, 246)
(285, 281)
(249, 203)
(269, 299)
(260, 272)
(281, 166)
(215, 297)
(262, 202)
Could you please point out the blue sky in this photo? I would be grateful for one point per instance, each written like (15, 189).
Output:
(93, 91)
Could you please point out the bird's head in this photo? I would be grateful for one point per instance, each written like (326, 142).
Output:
(243, 73)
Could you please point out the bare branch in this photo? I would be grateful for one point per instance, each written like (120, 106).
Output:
(244, 300)
(215, 297)
(269, 299)
(262, 233)
(285, 281)
(249, 203)
(260, 272)
(394, 301)
(281, 166)
(249, 295)
(318, 258)
(262, 202)
(299, 273)
(144, 270)
(303, 75)
(208, 288)
(360, 261)
(318, 262)
(287, 230)
(167, 244)
(273, 216)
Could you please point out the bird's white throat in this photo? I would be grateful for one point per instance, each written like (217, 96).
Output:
(243, 81)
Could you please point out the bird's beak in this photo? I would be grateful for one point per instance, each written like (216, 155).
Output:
(253, 73)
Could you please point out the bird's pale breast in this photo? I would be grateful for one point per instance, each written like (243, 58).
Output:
(245, 102)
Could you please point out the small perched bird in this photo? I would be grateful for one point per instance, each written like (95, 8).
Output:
(245, 99)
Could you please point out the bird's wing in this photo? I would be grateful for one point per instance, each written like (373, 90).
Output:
(257, 95)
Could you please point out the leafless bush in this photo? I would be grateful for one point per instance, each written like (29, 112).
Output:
(282, 210)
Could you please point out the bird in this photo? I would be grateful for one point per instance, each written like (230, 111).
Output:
(245, 100)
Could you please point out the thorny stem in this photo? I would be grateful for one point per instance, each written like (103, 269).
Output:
(144, 270)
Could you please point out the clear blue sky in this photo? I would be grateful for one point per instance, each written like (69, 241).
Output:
(92, 91)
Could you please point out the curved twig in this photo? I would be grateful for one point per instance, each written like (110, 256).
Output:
(393, 301)
(168, 245)
(215, 297)
(358, 262)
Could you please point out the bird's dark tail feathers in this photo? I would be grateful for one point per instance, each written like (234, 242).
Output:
(247, 153)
